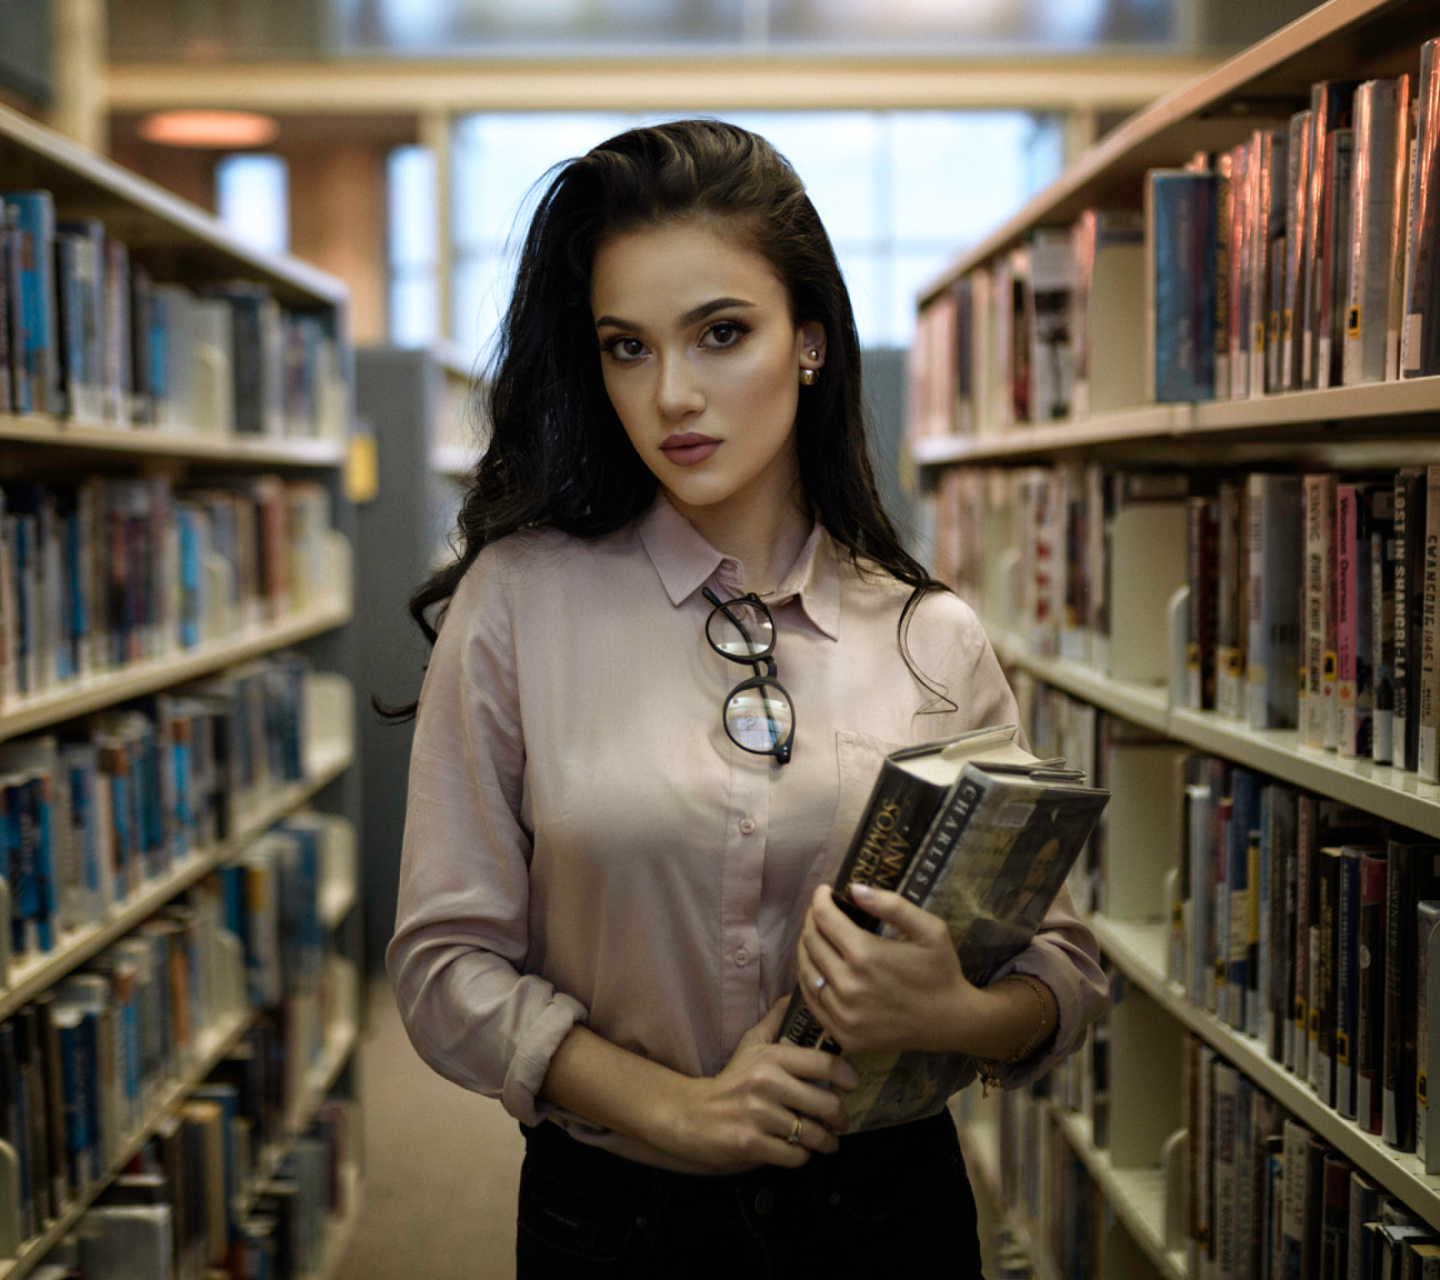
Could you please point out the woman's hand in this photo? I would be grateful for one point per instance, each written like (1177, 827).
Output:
(743, 1116)
(884, 993)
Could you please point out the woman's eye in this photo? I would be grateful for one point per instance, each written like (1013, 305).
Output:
(626, 348)
(725, 335)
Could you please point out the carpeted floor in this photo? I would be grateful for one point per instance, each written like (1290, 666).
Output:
(441, 1167)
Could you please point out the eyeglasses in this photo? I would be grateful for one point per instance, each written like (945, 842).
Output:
(758, 714)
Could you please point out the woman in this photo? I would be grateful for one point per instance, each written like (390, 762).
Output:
(609, 886)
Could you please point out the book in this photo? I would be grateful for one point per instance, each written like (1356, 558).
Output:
(1321, 660)
(1427, 754)
(1411, 494)
(1232, 591)
(1296, 210)
(981, 833)
(1355, 686)
(1382, 620)
(1336, 228)
(1377, 220)
(1203, 517)
(1180, 268)
(1347, 978)
(1420, 337)
(1274, 600)
(1370, 1015)
(1427, 1033)
(1330, 108)
(1269, 149)
(1414, 875)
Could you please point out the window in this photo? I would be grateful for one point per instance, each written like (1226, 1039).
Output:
(899, 192)
(252, 195)
(414, 238)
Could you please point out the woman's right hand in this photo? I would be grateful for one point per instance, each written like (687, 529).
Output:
(743, 1116)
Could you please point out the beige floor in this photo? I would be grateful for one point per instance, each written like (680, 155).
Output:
(442, 1167)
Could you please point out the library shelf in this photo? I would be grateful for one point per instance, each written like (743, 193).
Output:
(79, 697)
(1342, 39)
(1138, 950)
(215, 1043)
(1137, 1195)
(1397, 795)
(250, 451)
(1142, 704)
(341, 1038)
(1270, 426)
(339, 883)
(149, 218)
(325, 762)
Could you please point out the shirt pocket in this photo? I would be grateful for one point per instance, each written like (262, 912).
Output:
(858, 759)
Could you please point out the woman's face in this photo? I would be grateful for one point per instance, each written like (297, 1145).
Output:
(702, 361)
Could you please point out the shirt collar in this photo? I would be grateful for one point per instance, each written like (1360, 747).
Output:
(686, 562)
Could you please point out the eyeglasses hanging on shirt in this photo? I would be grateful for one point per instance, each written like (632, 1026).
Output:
(758, 714)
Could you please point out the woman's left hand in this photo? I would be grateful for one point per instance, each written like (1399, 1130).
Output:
(883, 993)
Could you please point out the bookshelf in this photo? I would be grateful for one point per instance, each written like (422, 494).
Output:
(1354, 429)
(178, 244)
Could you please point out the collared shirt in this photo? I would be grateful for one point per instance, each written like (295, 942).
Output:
(584, 843)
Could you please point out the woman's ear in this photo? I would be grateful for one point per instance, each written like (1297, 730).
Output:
(812, 344)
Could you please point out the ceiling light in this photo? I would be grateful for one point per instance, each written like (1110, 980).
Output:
(224, 130)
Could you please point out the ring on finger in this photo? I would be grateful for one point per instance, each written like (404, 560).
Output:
(794, 1137)
(820, 984)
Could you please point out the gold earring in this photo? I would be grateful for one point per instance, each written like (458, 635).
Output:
(809, 377)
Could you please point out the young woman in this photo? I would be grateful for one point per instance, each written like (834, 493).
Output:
(618, 840)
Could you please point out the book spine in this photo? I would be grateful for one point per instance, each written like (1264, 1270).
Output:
(1354, 687)
(1347, 992)
(1427, 763)
(1243, 173)
(1293, 1215)
(1335, 271)
(1421, 335)
(1225, 1082)
(1409, 520)
(1318, 494)
(1414, 874)
(1305, 836)
(1200, 653)
(1382, 621)
(1322, 971)
(1229, 637)
(1181, 244)
(1427, 952)
(1372, 247)
(1274, 597)
(1297, 205)
(1370, 1019)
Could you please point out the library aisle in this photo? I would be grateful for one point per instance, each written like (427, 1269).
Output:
(442, 1166)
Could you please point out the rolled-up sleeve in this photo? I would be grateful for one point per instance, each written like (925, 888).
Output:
(1063, 954)
(461, 932)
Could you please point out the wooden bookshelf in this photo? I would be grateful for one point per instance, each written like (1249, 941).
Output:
(1138, 950)
(1394, 794)
(182, 244)
(326, 758)
(80, 697)
(1343, 39)
(232, 450)
(1341, 426)
(1347, 428)
(214, 1045)
(1137, 1195)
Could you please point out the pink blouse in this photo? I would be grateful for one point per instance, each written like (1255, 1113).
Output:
(583, 842)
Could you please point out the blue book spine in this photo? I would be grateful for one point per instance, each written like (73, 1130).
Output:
(25, 638)
(232, 880)
(184, 809)
(87, 837)
(189, 577)
(24, 887)
(78, 1063)
(34, 213)
(46, 881)
(1183, 266)
(78, 594)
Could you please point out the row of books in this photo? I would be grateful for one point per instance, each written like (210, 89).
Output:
(1299, 921)
(1268, 1200)
(1306, 257)
(87, 334)
(108, 571)
(195, 1201)
(126, 1026)
(89, 818)
(1310, 926)
(163, 1218)
(84, 1063)
(1311, 597)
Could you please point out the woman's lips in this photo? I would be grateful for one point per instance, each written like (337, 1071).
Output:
(689, 449)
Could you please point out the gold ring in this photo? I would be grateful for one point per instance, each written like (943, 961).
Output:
(794, 1137)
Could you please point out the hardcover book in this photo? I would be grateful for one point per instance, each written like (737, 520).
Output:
(983, 834)
(1420, 338)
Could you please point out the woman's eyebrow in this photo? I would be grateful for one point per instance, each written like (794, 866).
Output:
(692, 316)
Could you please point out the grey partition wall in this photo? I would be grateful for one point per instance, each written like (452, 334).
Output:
(399, 395)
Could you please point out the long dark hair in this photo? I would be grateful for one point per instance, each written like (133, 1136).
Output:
(558, 456)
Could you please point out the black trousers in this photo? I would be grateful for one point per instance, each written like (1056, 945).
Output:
(890, 1203)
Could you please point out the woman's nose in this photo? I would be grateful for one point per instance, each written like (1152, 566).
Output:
(679, 391)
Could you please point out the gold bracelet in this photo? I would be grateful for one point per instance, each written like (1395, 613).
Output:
(989, 1069)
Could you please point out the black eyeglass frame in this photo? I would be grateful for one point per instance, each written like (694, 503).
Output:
(762, 663)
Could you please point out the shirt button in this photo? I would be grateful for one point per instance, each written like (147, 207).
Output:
(747, 826)
(742, 957)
